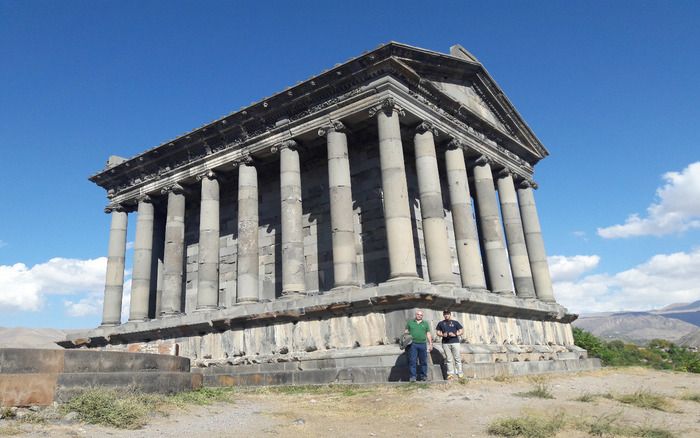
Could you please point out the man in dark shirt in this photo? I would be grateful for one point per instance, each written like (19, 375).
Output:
(450, 331)
(418, 350)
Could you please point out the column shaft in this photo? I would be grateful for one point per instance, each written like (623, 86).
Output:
(466, 237)
(431, 207)
(143, 259)
(517, 252)
(397, 216)
(248, 259)
(114, 279)
(491, 235)
(535, 244)
(173, 257)
(293, 281)
(208, 257)
(342, 224)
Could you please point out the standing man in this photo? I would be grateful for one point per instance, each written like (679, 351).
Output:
(420, 332)
(450, 331)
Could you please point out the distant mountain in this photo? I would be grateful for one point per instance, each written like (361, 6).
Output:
(31, 337)
(688, 312)
(691, 339)
(636, 327)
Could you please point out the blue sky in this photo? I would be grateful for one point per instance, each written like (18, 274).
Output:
(610, 88)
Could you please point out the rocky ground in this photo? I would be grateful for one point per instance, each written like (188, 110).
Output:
(440, 410)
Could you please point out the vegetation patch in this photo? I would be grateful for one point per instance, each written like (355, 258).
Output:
(609, 425)
(540, 389)
(586, 397)
(115, 408)
(9, 430)
(202, 396)
(528, 426)
(646, 399)
(692, 397)
(658, 353)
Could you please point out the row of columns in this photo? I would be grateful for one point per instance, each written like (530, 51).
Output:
(525, 261)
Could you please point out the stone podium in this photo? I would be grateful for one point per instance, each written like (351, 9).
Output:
(289, 241)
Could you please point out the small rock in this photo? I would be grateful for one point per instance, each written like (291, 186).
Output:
(378, 399)
(372, 434)
(34, 408)
(69, 418)
(313, 401)
(466, 397)
(419, 424)
(299, 421)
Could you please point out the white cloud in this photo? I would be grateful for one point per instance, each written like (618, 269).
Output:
(24, 288)
(663, 279)
(563, 268)
(676, 209)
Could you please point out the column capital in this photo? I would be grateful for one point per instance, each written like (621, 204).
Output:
(426, 126)
(504, 173)
(455, 143)
(333, 126)
(244, 160)
(286, 144)
(528, 184)
(144, 198)
(174, 188)
(209, 174)
(388, 106)
(119, 208)
(482, 160)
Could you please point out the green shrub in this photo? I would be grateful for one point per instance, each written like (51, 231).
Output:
(658, 353)
(111, 407)
(527, 426)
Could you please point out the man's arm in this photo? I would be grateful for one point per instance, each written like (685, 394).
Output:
(439, 332)
(460, 330)
(430, 340)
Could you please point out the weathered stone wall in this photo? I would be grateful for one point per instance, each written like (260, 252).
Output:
(341, 332)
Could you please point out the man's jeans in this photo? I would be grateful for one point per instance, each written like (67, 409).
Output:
(420, 352)
(453, 358)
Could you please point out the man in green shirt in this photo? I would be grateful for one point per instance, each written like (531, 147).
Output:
(418, 350)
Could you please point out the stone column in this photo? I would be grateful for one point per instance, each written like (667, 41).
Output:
(208, 256)
(431, 208)
(293, 282)
(342, 224)
(397, 216)
(491, 235)
(143, 259)
(114, 279)
(466, 237)
(248, 259)
(517, 252)
(535, 243)
(173, 257)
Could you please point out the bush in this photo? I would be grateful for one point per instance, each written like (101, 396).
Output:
(658, 354)
(111, 407)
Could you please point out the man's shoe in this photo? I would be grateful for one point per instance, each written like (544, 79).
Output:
(450, 377)
(461, 376)
(412, 380)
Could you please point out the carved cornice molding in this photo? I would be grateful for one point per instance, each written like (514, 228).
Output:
(333, 126)
(426, 126)
(388, 106)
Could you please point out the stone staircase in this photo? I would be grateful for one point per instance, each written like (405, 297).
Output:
(31, 377)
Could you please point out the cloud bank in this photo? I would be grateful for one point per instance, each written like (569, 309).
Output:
(663, 279)
(676, 209)
(26, 289)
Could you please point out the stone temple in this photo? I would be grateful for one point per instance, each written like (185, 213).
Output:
(289, 242)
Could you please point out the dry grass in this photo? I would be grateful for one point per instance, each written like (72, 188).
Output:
(646, 399)
(540, 389)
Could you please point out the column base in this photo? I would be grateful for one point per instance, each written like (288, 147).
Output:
(346, 286)
(504, 292)
(247, 300)
(109, 324)
(443, 283)
(293, 294)
(145, 318)
(205, 308)
(170, 314)
(404, 277)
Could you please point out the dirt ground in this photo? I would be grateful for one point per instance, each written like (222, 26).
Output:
(406, 410)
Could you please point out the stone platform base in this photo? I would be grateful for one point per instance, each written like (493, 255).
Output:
(35, 377)
(389, 364)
